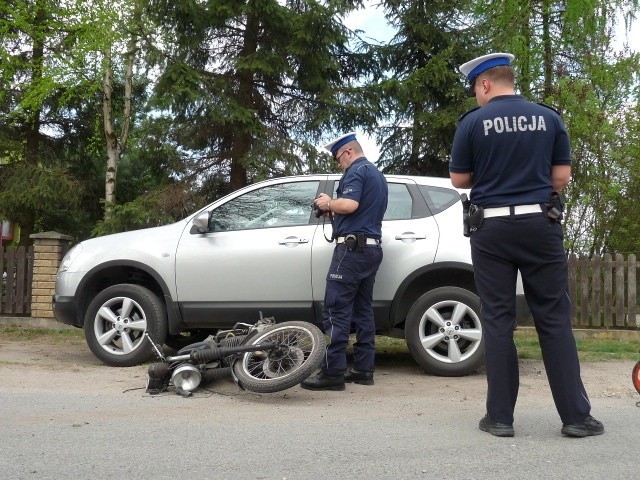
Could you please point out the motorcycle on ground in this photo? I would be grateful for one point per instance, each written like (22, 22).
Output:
(265, 357)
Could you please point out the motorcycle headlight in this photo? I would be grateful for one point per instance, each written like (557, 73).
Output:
(187, 377)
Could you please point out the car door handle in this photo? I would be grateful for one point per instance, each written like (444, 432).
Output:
(409, 237)
(293, 241)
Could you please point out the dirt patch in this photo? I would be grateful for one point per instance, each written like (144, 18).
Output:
(42, 364)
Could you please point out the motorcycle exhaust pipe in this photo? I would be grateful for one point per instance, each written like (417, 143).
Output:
(205, 356)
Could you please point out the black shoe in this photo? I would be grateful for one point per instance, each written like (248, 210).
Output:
(495, 428)
(356, 376)
(588, 428)
(323, 382)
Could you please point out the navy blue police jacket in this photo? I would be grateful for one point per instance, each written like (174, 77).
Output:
(365, 184)
(510, 145)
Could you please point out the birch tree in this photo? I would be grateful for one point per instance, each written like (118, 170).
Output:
(566, 59)
(116, 141)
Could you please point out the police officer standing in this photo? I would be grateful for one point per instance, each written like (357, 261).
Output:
(513, 154)
(357, 228)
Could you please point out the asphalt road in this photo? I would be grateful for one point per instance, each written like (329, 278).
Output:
(63, 435)
(63, 415)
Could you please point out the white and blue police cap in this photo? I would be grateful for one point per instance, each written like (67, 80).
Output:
(475, 67)
(335, 145)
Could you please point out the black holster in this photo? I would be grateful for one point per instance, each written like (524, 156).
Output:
(350, 241)
(466, 203)
(356, 241)
(555, 206)
(476, 217)
(472, 216)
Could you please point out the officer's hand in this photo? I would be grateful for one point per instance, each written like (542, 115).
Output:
(322, 201)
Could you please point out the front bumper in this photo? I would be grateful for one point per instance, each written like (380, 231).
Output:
(65, 310)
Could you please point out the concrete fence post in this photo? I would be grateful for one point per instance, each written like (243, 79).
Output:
(48, 249)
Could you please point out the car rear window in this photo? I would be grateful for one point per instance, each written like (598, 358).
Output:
(439, 198)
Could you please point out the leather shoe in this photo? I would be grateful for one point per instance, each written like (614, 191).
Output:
(495, 428)
(356, 376)
(588, 428)
(323, 382)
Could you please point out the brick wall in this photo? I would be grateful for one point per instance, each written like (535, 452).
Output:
(48, 250)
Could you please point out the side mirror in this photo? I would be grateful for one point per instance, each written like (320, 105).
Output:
(201, 222)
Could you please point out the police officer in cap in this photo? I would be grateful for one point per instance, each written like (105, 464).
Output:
(513, 154)
(357, 211)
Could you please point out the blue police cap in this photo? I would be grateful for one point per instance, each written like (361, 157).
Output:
(475, 67)
(335, 145)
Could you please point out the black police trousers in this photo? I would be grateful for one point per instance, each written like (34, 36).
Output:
(533, 244)
(348, 301)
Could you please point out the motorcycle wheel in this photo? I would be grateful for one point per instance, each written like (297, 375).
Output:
(300, 353)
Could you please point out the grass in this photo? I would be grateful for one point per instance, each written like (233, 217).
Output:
(394, 351)
(51, 336)
(593, 349)
(589, 349)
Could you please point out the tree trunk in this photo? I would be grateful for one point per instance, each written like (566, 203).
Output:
(32, 127)
(548, 50)
(115, 145)
(241, 143)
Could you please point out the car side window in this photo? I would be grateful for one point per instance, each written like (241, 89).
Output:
(284, 204)
(400, 203)
(439, 198)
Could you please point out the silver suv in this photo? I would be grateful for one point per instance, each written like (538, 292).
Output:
(260, 249)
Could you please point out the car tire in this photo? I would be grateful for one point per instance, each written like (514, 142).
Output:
(117, 320)
(444, 332)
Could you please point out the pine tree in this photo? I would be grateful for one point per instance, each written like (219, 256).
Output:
(420, 90)
(249, 84)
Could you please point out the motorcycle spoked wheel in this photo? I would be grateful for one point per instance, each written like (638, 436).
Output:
(300, 353)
